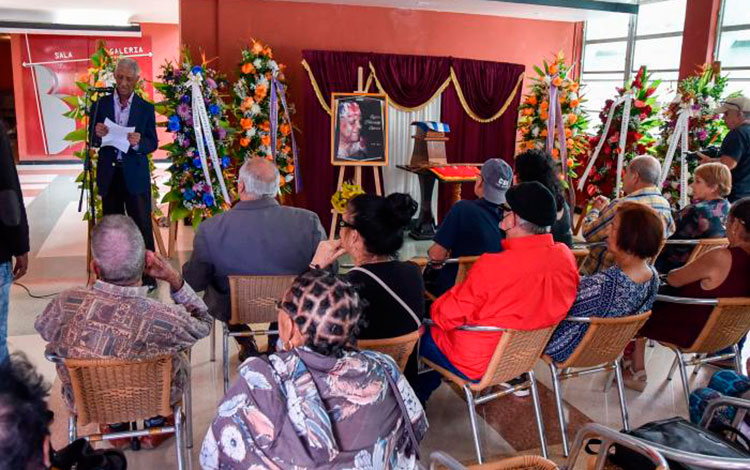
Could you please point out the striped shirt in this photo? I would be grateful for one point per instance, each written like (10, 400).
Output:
(596, 223)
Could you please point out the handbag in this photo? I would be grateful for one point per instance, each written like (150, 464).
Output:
(679, 434)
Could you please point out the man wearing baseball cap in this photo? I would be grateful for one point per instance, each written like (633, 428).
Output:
(530, 285)
(471, 227)
(735, 149)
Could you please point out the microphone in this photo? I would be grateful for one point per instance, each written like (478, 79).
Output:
(100, 89)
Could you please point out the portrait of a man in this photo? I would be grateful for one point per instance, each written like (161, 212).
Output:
(350, 146)
(359, 129)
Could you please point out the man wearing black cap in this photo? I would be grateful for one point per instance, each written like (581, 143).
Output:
(530, 285)
(472, 227)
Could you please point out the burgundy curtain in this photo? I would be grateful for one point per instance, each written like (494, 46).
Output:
(334, 72)
(486, 87)
(410, 80)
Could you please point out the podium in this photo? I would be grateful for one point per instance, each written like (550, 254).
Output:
(430, 163)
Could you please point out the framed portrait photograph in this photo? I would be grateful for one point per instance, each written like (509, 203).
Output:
(359, 129)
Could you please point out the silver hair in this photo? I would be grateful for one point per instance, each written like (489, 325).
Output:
(132, 64)
(532, 228)
(255, 186)
(647, 168)
(118, 249)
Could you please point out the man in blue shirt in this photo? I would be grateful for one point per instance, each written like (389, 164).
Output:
(472, 227)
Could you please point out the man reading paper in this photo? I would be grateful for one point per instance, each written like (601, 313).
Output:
(124, 177)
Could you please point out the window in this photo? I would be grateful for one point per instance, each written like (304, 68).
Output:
(733, 45)
(653, 39)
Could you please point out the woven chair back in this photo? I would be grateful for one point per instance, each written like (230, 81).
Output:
(707, 244)
(399, 348)
(521, 462)
(113, 390)
(580, 255)
(515, 354)
(605, 340)
(464, 265)
(728, 323)
(253, 298)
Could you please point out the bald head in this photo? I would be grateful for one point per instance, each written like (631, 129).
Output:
(643, 171)
(259, 178)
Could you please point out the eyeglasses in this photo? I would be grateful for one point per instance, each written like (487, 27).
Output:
(343, 223)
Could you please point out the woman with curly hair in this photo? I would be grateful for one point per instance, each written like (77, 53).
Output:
(320, 403)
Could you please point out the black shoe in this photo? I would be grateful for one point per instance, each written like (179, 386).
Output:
(149, 282)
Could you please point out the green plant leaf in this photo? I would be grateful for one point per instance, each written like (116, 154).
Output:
(78, 135)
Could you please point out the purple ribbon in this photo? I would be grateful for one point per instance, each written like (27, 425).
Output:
(277, 91)
(555, 123)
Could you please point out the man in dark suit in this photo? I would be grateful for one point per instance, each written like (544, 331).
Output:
(124, 178)
(256, 237)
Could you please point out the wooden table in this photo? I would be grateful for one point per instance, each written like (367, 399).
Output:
(425, 226)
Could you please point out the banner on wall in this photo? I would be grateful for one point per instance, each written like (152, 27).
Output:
(54, 63)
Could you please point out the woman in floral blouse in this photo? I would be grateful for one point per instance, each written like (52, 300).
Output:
(705, 218)
(318, 404)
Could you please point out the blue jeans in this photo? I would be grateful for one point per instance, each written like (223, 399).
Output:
(428, 382)
(6, 279)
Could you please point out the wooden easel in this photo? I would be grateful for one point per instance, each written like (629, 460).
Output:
(357, 168)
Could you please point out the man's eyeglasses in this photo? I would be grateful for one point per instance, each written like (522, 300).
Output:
(343, 223)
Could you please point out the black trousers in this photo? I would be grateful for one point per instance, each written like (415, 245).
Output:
(138, 206)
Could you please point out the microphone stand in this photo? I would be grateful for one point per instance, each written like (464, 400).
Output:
(88, 167)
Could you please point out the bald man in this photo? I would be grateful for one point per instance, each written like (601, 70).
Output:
(124, 178)
(257, 236)
(639, 185)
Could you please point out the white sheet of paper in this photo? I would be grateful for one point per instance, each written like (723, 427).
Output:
(117, 136)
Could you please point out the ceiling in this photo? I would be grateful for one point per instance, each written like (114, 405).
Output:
(120, 13)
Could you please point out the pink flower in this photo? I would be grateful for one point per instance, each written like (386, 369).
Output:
(183, 110)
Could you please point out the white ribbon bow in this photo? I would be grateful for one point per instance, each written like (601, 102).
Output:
(627, 101)
(204, 137)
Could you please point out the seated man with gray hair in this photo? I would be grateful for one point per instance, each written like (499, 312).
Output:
(114, 319)
(258, 236)
(640, 185)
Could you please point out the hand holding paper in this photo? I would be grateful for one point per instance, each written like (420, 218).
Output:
(117, 136)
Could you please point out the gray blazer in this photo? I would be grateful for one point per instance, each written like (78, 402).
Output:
(255, 237)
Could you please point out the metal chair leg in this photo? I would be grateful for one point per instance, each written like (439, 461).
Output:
(621, 394)
(179, 437)
(213, 341)
(559, 403)
(225, 355)
(189, 408)
(684, 375)
(737, 359)
(538, 413)
(474, 423)
(72, 430)
(674, 366)
(697, 368)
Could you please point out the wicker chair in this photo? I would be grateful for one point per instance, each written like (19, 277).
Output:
(399, 348)
(464, 265)
(516, 353)
(707, 244)
(580, 255)
(113, 391)
(522, 462)
(253, 300)
(599, 351)
(728, 323)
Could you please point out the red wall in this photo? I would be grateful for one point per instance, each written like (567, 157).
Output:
(699, 37)
(164, 45)
(222, 27)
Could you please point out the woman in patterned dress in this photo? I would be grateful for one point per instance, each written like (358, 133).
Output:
(627, 288)
(705, 218)
(318, 404)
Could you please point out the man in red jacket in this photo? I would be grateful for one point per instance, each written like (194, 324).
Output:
(531, 284)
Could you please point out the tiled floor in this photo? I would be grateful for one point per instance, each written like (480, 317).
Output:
(57, 261)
